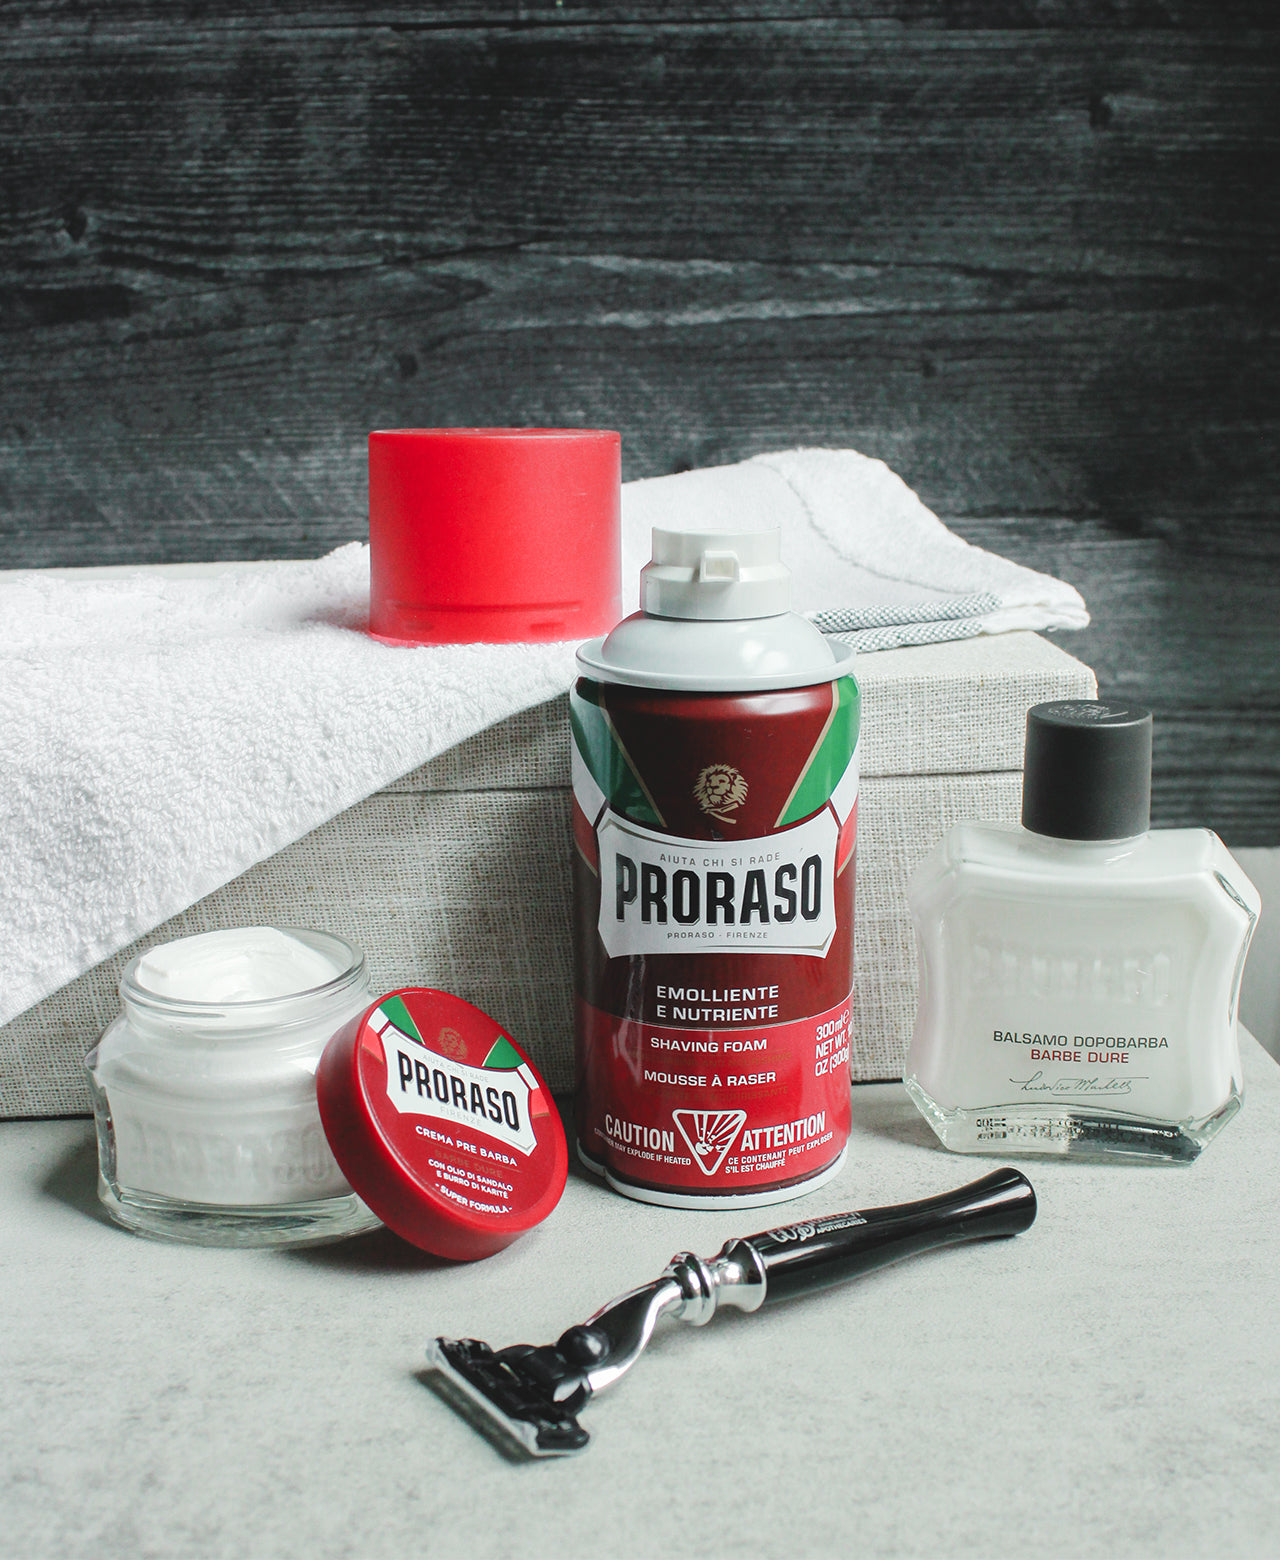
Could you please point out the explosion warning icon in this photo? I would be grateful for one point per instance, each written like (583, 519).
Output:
(710, 1134)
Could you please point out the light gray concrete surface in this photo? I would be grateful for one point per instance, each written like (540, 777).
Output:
(1107, 1384)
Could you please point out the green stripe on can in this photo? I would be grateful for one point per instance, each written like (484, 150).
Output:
(606, 761)
(503, 1055)
(398, 1013)
(827, 766)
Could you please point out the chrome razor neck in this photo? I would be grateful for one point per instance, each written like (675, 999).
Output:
(689, 1290)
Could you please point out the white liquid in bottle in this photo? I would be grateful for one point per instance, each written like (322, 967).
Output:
(1078, 995)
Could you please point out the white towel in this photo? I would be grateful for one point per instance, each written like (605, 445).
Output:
(872, 565)
(165, 731)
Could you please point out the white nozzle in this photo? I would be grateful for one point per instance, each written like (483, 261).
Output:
(715, 574)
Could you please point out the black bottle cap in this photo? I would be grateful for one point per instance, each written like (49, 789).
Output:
(1087, 770)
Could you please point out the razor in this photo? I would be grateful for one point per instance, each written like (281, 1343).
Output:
(529, 1396)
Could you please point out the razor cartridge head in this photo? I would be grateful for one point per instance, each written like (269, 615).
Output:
(513, 1393)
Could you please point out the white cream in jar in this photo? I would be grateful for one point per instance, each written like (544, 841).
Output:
(204, 1088)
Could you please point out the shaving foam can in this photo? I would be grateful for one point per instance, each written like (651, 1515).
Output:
(715, 788)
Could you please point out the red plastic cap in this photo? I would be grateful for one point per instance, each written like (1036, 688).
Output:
(494, 534)
(441, 1124)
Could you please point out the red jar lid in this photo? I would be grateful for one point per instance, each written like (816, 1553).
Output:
(494, 534)
(441, 1124)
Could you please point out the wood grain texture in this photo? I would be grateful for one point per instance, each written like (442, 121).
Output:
(1025, 252)
(1192, 631)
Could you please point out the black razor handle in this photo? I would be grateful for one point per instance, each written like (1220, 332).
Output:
(803, 1257)
(533, 1395)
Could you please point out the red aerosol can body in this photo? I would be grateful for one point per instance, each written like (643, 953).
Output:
(715, 808)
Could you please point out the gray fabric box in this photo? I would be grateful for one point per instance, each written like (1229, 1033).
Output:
(457, 876)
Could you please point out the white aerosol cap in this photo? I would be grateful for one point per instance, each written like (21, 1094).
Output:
(715, 575)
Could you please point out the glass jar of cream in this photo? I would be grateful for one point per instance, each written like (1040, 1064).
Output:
(204, 1089)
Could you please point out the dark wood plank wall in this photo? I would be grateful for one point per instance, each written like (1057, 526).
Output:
(1024, 250)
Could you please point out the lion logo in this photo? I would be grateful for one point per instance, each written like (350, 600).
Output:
(720, 790)
(450, 1043)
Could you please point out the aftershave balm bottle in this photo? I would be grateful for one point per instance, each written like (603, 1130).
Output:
(1079, 976)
